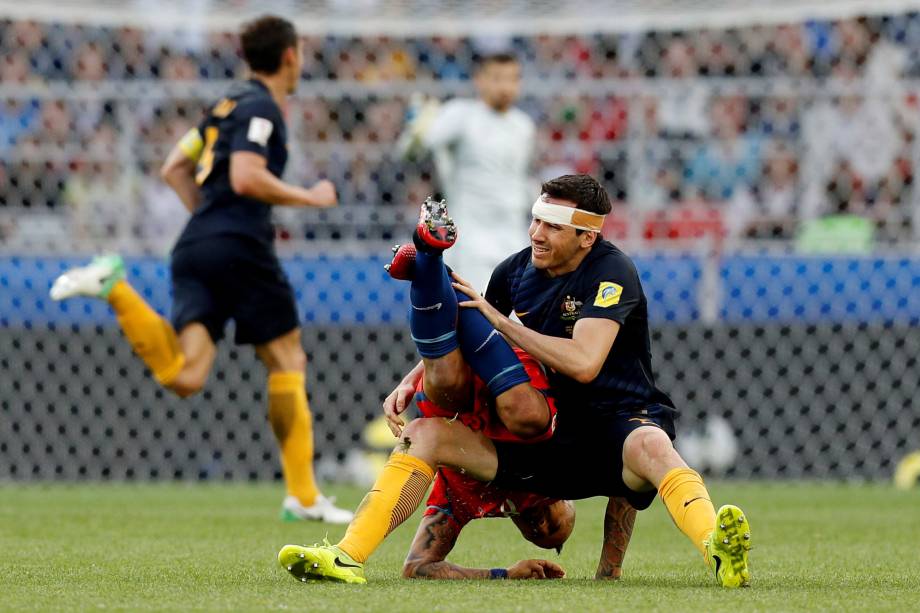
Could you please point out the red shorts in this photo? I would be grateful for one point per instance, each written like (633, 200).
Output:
(463, 498)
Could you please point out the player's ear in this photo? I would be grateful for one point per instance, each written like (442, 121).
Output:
(289, 57)
(589, 238)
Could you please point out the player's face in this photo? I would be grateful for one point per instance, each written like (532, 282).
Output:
(557, 249)
(499, 84)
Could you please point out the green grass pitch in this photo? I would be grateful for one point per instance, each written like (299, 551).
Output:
(212, 547)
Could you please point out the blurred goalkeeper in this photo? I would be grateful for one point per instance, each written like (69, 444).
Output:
(482, 151)
(227, 173)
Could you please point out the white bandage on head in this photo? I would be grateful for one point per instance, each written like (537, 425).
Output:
(566, 215)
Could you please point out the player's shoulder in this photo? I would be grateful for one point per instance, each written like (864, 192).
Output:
(459, 105)
(607, 257)
(252, 98)
(522, 119)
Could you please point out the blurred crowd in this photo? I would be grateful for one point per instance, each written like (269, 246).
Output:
(740, 133)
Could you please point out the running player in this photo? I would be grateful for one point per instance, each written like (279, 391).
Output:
(227, 172)
(575, 294)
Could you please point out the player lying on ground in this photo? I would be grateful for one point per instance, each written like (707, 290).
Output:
(224, 265)
(456, 499)
(575, 294)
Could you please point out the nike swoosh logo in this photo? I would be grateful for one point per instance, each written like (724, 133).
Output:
(342, 564)
(519, 314)
(486, 342)
(433, 307)
(694, 500)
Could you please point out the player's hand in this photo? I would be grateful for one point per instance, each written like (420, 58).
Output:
(395, 404)
(476, 301)
(322, 194)
(535, 569)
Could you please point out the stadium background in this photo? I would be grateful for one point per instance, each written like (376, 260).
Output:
(762, 165)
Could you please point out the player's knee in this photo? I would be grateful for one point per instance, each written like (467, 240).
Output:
(444, 378)
(296, 360)
(188, 383)
(646, 444)
(524, 412)
(423, 437)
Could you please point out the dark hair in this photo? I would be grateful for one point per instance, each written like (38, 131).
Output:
(583, 190)
(504, 57)
(265, 40)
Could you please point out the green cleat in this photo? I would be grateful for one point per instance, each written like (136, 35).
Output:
(94, 280)
(728, 546)
(321, 563)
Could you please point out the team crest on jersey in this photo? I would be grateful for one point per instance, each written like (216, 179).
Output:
(608, 294)
(571, 309)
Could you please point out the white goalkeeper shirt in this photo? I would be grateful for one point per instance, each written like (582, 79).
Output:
(483, 160)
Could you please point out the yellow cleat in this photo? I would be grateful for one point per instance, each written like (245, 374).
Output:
(321, 563)
(728, 546)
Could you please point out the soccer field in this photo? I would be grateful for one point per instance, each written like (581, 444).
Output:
(213, 547)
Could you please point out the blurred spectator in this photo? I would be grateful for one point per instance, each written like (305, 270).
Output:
(730, 161)
(682, 102)
(851, 150)
(772, 212)
(775, 125)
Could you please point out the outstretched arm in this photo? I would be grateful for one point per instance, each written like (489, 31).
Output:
(436, 537)
(618, 526)
(580, 357)
(250, 177)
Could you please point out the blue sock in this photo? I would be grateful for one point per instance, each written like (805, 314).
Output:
(487, 352)
(433, 314)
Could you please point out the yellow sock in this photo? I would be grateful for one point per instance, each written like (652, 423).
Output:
(398, 491)
(688, 502)
(152, 337)
(289, 415)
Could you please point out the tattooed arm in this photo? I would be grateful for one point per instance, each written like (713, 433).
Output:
(618, 526)
(436, 537)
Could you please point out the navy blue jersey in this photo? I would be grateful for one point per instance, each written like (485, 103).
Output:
(605, 285)
(246, 119)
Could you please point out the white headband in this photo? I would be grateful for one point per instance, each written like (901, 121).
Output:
(566, 215)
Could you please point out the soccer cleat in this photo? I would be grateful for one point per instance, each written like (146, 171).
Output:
(320, 563)
(94, 280)
(322, 509)
(402, 266)
(435, 229)
(728, 546)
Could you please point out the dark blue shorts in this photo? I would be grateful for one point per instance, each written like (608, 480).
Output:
(232, 277)
(583, 459)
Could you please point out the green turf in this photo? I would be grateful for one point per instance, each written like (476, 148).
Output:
(213, 547)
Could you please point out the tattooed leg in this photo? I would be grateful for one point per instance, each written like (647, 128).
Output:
(618, 527)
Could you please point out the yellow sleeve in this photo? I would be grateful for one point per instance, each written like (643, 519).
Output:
(192, 144)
